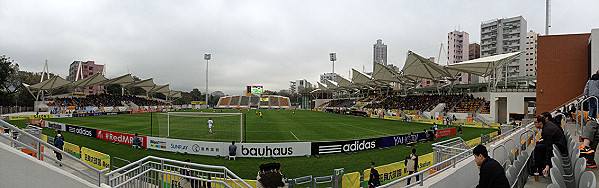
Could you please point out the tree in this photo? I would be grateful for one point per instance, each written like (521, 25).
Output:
(9, 82)
(196, 95)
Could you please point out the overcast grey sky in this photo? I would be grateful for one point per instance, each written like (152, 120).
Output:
(252, 42)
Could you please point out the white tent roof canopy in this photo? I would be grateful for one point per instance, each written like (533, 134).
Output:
(418, 66)
(52, 83)
(344, 83)
(361, 79)
(484, 66)
(96, 79)
(322, 87)
(143, 84)
(122, 80)
(332, 85)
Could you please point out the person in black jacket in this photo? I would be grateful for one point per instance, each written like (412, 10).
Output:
(374, 177)
(550, 135)
(491, 172)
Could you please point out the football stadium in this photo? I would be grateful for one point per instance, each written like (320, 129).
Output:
(479, 122)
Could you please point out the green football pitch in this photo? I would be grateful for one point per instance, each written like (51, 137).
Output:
(274, 126)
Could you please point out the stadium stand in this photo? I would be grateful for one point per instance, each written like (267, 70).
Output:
(283, 101)
(224, 101)
(245, 101)
(234, 101)
(274, 101)
(101, 100)
(486, 108)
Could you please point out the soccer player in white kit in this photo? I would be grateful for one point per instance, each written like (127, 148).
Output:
(210, 122)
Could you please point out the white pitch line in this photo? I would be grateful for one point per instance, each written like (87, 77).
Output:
(294, 136)
(366, 129)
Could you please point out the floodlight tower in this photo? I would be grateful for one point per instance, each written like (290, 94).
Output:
(207, 57)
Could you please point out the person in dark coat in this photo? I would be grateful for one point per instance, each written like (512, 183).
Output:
(491, 172)
(58, 142)
(374, 177)
(550, 135)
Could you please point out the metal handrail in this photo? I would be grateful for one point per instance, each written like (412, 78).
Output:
(225, 172)
(50, 146)
(453, 159)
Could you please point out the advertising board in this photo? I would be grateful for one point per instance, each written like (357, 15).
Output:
(122, 138)
(396, 140)
(188, 146)
(320, 148)
(83, 131)
(288, 149)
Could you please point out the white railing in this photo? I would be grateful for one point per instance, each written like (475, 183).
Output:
(95, 175)
(160, 172)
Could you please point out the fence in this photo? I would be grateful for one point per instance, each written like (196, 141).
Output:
(14, 109)
(95, 174)
(160, 172)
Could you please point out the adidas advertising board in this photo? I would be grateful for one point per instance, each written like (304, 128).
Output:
(188, 146)
(289, 149)
(81, 130)
(320, 148)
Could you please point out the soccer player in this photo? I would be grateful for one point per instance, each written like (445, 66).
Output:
(260, 115)
(294, 111)
(210, 122)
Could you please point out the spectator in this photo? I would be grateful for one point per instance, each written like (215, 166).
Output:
(58, 142)
(550, 135)
(136, 141)
(590, 136)
(374, 177)
(232, 149)
(188, 182)
(490, 171)
(412, 164)
(549, 118)
(270, 176)
(591, 89)
(427, 136)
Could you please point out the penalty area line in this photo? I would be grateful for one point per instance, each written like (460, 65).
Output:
(294, 136)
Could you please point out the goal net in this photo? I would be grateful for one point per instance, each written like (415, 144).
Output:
(194, 126)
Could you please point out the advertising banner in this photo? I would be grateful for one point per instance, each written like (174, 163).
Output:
(97, 114)
(468, 124)
(394, 171)
(320, 148)
(43, 116)
(80, 115)
(141, 111)
(95, 159)
(273, 149)
(83, 131)
(35, 121)
(387, 172)
(18, 117)
(188, 146)
(394, 118)
(396, 140)
(494, 125)
(445, 132)
(429, 121)
(56, 126)
(122, 138)
(62, 115)
(474, 142)
(72, 149)
(351, 180)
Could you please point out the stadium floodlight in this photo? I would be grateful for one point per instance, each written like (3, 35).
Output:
(207, 57)
(333, 56)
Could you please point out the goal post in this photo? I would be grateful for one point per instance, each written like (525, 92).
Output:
(194, 126)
